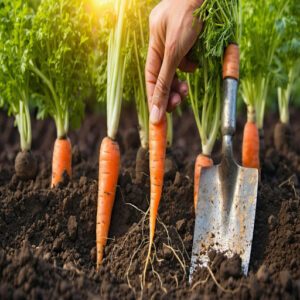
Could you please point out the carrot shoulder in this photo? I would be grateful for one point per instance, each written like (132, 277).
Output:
(250, 148)
(61, 161)
(202, 161)
(109, 165)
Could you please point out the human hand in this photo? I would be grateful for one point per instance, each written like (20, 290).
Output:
(173, 32)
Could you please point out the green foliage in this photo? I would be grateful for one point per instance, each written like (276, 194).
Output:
(15, 77)
(103, 20)
(61, 42)
(288, 52)
(287, 58)
(205, 100)
(264, 27)
(15, 25)
(116, 62)
(137, 17)
(221, 27)
(136, 53)
(34, 4)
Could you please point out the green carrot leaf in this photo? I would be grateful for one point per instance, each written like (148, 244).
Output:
(61, 43)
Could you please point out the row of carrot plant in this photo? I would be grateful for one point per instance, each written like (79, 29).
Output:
(53, 52)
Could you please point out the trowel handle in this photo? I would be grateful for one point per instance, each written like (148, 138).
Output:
(230, 88)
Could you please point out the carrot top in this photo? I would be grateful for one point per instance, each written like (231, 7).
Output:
(221, 20)
(264, 26)
(61, 42)
(116, 62)
(16, 83)
(221, 27)
(136, 52)
(287, 58)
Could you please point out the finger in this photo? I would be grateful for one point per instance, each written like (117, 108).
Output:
(162, 88)
(174, 100)
(187, 66)
(180, 87)
(152, 68)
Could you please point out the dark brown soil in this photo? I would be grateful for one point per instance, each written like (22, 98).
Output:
(47, 236)
(283, 138)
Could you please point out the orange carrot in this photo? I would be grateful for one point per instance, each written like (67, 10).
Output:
(109, 165)
(62, 160)
(157, 154)
(202, 161)
(157, 150)
(250, 148)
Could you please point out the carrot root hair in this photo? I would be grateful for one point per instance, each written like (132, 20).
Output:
(109, 166)
(61, 161)
(202, 161)
(250, 148)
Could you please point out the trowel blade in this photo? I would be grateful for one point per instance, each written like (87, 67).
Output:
(225, 214)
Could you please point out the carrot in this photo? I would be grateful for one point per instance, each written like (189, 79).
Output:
(202, 161)
(109, 165)
(157, 154)
(250, 148)
(61, 161)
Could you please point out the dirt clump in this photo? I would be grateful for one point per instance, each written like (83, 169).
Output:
(26, 165)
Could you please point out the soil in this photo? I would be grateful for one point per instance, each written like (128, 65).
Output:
(47, 236)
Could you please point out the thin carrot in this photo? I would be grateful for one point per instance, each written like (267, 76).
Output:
(202, 161)
(250, 148)
(109, 165)
(61, 161)
(109, 157)
(157, 152)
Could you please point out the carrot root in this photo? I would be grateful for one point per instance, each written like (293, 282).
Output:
(157, 150)
(109, 166)
(202, 161)
(250, 149)
(61, 161)
(157, 155)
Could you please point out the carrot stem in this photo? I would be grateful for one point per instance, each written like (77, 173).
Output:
(116, 62)
(24, 124)
(169, 130)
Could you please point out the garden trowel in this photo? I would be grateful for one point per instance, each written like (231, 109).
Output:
(227, 194)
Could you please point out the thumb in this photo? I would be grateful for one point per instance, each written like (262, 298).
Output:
(159, 101)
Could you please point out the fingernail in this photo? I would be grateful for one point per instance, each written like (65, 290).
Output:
(177, 102)
(154, 116)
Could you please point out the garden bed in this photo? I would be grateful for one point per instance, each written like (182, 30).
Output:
(47, 244)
